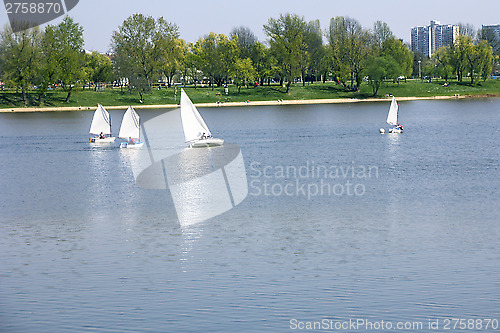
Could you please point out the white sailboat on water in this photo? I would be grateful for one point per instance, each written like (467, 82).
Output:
(101, 126)
(196, 131)
(392, 118)
(130, 129)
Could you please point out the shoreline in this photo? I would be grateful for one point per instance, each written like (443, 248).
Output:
(256, 103)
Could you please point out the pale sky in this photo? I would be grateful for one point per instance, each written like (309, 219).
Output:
(196, 18)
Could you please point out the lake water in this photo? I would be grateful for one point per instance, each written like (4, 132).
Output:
(340, 223)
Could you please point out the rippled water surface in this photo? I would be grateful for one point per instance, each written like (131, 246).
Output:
(400, 228)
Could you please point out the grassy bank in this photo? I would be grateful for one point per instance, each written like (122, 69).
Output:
(328, 90)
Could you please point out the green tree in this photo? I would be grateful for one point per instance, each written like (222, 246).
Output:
(215, 55)
(246, 40)
(401, 54)
(492, 38)
(287, 43)
(20, 57)
(63, 54)
(381, 33)
(174, 56)
(98, 68)
(466, 29)
(333, 62)
(379, 68)
(229, 52)
(263, 62)
(206, 56)
(190, 66)
(315, 49)
(459, 54)
(326, 63)
(243, 72)
(442, 63)
(480, 61)
(350, 45)
(140, 45)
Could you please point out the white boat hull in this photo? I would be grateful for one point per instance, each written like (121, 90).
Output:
(395, 130)
(209, 142)
(105, 140)
(131, 146)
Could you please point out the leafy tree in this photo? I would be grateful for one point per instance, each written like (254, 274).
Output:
(287, 44)
(206, 56)
(140, 46)
(467, 29)
(190, 68)
(420, 60)
(326, 64)
(378, 68)
(475, 60)
(340, 69)
(458, 55)
(381, 33)
(215, 55)
(442, 63)
(315, 49)
(175, 53)
(20, 57)
(246, 40)
(401, 54)
(480, 61)
(350, 45)
(229, 52)
(492, 39)
(98, 68)
(243, 72)
(261, 61)
(64, 60)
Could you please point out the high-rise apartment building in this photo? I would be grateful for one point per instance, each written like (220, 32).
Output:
(493, 28)
(429, 38)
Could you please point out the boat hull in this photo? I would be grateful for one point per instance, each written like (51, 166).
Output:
(131, 146)
(105, 140)
(395, 130)
(210, 142)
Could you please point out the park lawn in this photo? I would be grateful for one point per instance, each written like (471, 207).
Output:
(310, 91)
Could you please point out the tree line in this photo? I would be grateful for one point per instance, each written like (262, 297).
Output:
(146, 50)
(46, 59)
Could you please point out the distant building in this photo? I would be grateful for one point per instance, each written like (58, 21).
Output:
(493, 28)
(427, 39)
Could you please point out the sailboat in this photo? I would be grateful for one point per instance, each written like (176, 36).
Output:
(130, 129)
(392, 118)
(196, 131)
(101, 126)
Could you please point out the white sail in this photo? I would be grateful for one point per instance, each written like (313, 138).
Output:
(193, 124)
(101, 121)
(130, 126)
(392, 117)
